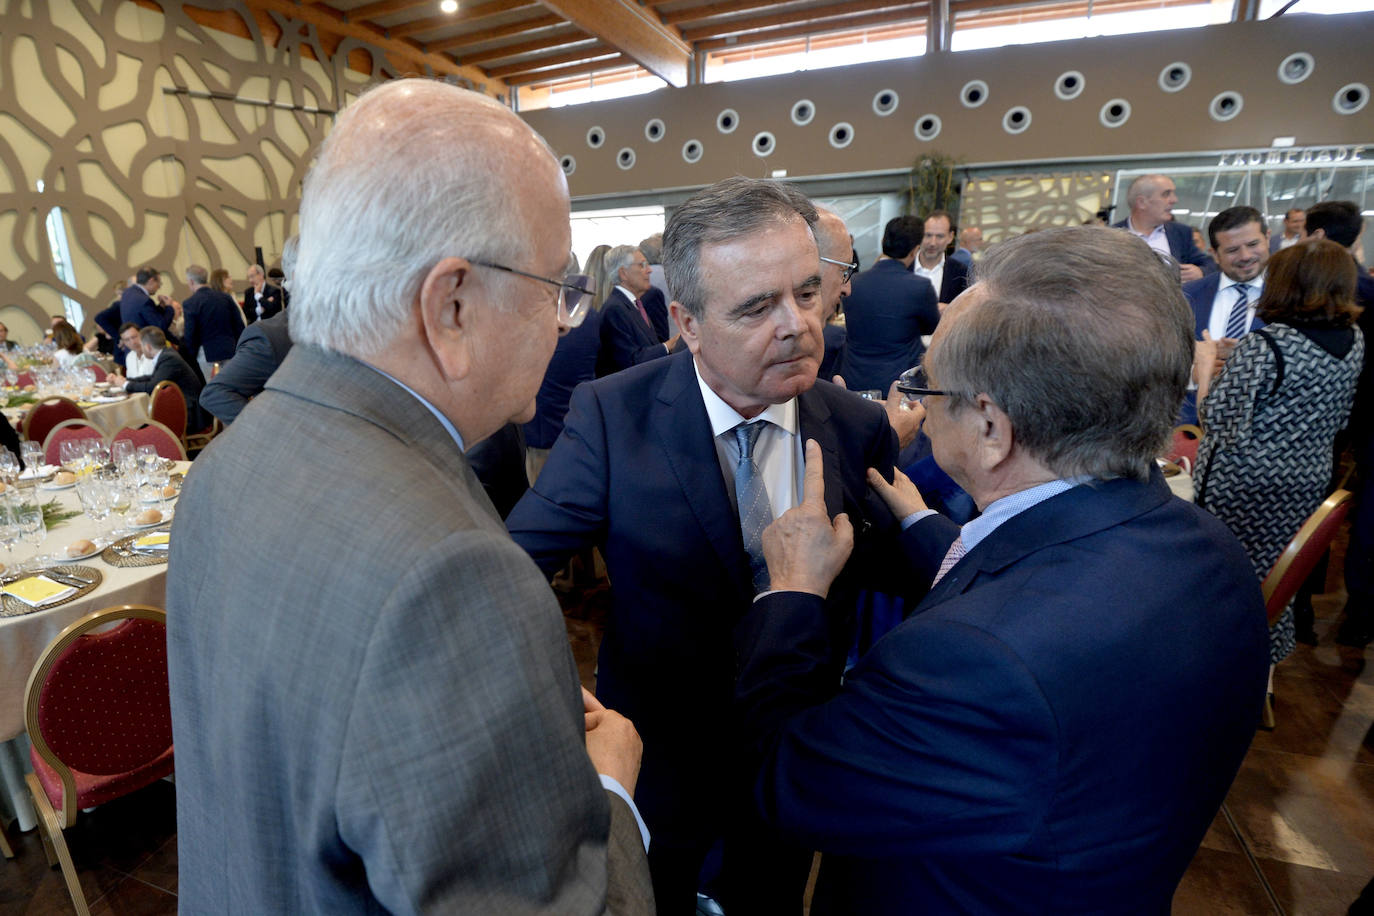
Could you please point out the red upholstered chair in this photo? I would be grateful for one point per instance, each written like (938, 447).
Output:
(45, 415)
(100, 375)
(1183, 449)
(64, 432)
(25, 378)
(1298, 560)
(167, 405)
(155, 434)
(100, 721)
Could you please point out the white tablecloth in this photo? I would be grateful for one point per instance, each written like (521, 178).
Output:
(23, 639)
(108, 418)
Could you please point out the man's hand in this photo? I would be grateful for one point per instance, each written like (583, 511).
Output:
(1189, 272)
(901, 495)
(612, 743)
(804, 549)
(116, 380)
(904, 416)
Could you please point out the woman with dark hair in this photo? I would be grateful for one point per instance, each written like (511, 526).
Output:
(219, 281)
(68, 343)
(1271, 417)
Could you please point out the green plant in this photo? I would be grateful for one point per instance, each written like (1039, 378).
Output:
(931, 185)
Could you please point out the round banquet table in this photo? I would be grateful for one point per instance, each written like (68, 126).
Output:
(108, 418)
(23, 639)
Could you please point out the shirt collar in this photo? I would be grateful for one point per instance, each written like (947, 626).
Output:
(930, 270)
(1157, 230)
(1008, 507)
(725, 418)
(626, 293)
(1256, 285)
(443, 420)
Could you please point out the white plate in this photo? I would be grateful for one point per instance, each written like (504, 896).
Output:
(46, 470)
(63, 558)
(166, 517)
(56, 486)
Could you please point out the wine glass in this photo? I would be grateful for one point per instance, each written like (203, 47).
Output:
(123, 501)
(9, 467)
(148, 460)
(97, 452)
(32, 455)
(9, 530)
(95, 498)
(72, 454)
(123, 455)
(33, 531)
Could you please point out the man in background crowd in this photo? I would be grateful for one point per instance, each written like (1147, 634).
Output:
(1151, 200)
(1294, 230)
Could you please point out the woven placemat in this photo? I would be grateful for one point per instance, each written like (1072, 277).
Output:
(11, 606)
(121, 552)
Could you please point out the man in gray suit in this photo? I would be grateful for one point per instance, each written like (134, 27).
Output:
(373, 699)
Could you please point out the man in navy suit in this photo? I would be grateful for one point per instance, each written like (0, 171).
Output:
(887, 311)
(1056, 725)
(949, 276)
(213, 321)
(628, 335)
(137, 303)
(1224, 303)
(673, 468)
(261, 299)
(1294, 230)
(1151, 199)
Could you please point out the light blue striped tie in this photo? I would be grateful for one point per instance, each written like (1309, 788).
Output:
(1239, 322)
(755, 513)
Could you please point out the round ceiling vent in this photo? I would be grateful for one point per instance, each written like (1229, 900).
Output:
(1225, 106)
(927, 127)
(727, 121)
(654, 130)
(1069, 85)
(974, 93)
(595, 137)
(1296, 67)
(568, 164)
(1175, 76)
(1016, 120)
(1115, 113)
(764, 143)
(625, 158)
(884, 102)
(802, 112)
(1350, 98)
(692, 151)
(841, 135)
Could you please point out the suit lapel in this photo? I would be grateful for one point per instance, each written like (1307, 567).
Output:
(684, 430)
(813, 422)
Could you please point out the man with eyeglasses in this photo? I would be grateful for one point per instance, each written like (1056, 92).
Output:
(673, 468)
(1056, 725)
(628, 334)
(374, 702)
(887, 311)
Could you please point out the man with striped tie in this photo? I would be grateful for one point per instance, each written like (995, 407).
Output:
(1055, 726)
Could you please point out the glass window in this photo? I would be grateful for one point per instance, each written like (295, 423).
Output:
(999, 26)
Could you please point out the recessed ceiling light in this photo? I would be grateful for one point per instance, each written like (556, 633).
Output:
(448, 6)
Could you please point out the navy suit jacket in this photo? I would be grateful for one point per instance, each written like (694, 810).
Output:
(656, 304)
(953, 281)
(211, 321)
(261, 348)
(1181, 245)
(1051, 730)
(137, 306)
(625, 339)
(636, 474)
(172, 368)
(574, 362)
(271, 303)
(887, 311)
(1200, 295)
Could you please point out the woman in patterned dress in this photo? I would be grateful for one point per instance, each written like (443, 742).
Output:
(1271, 417)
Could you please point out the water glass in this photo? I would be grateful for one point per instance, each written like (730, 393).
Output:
(72, 454)
(32, 454)
(33, 531)
(9, 467)
(123, 456)
(95, 498)
(97, 452)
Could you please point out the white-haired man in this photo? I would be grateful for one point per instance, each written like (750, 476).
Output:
(373, 699)
(628, 334)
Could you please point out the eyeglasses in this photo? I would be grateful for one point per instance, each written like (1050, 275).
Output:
(849, 267)
(916, 393)
(574, 294)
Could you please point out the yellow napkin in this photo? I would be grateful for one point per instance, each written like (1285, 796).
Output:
(156, 541)
(84, 404)
(37, 591)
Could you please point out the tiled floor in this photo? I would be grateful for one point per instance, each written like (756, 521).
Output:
(1296, 836)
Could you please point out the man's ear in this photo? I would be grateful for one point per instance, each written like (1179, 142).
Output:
(1316, 233)
(995, 435)
(448, 302)
(687, 325)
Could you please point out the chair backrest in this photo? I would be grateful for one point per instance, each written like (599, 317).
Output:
(1183, 448)
(167, 405)
(64, 432)
(1300, 557)
(98, 702)
(155, 434)
(100, 374)
(25, 379)
(46, 414)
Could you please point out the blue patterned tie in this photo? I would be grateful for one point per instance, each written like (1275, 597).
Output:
(1239, 321)
(755, 514)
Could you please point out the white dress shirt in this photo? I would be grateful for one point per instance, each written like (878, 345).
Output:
(1225, 299)
(778, 451)
(136, 365)
(935, 275)
(1156, 238)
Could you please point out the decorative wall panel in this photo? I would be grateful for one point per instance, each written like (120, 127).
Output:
(1009, 205)
(162, 141)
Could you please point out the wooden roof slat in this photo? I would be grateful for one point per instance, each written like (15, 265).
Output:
(495, 32)
(709, 10)
(574, 70)
(548, 42)
(636, 31)
(549, 60)
(846, 24)
(897, 9)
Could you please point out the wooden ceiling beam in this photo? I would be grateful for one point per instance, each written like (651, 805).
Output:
(382, 8)
(328, 19)
(710, 10)
(847, 24)
(548, 42)
(541, 63)
(896, 9)
(494, 33)
(466, 13)
(620, 61)
(635, 31)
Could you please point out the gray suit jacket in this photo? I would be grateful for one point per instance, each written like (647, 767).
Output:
(373, 699)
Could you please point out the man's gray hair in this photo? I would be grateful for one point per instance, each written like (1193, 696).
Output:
(727, 210)
(1083, 337)
(618, 257)
(197, 274)
(152, 336)
(652, 248)
(1143, 186)
(288, 255)
(413, 172)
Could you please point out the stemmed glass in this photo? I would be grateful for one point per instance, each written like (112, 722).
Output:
(123, 455)
(122, 492)
(29, 521)
(72, 454)
(9, 531)
(9, 467)
(95, 498)
(97, 452)
(148, 461)
(32, 453)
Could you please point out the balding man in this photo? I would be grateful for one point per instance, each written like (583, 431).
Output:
(1055, 726)
(261, 299)
(836, 251)
(1294, 230)
(213, 321)
(1151, 199)
(373, 699)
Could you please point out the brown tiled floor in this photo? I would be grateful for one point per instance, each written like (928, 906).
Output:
(1296, 836)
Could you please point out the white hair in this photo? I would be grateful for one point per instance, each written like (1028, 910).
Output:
(414, 171)
(618, 257)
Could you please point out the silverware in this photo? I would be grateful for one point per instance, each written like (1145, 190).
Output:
(65, 579)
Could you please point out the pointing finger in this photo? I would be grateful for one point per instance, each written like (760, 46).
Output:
(813, 489)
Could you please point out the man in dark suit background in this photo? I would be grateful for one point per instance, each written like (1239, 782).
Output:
(137, 304)
(1151, 199)
(260, 350)
(1058, 722)
(887, 311)
(672, 469)
(949, 276)
(213, 321)
(261, 299)
(168, 366)
(1294, 230)
(628, 335)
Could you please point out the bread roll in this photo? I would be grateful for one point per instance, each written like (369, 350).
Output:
(80, 548)
(62, 478)
(169, 492)
(149, 517)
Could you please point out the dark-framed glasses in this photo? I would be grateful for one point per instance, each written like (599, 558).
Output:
(574, 291)
(849, 267)
(914, 385)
